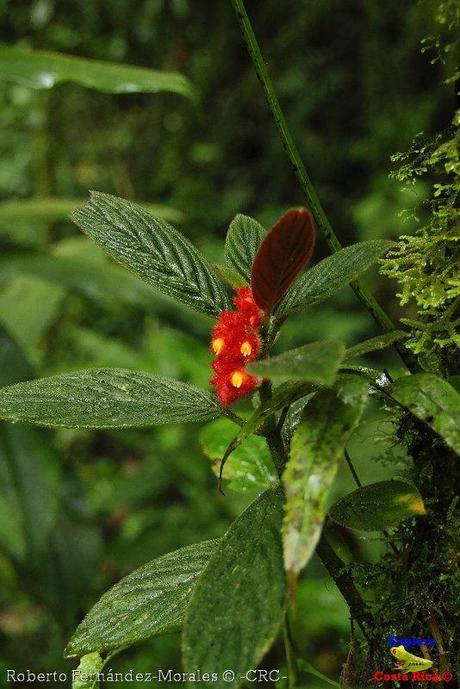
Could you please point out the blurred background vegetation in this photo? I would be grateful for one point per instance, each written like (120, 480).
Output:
(79, 509)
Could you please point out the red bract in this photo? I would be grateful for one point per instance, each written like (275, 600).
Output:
(236, 341)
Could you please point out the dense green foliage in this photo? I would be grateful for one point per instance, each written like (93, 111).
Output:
(102, 501)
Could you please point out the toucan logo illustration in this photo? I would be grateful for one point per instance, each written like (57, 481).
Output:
(407, 662)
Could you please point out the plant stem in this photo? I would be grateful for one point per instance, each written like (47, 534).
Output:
(338, 570)
(321, 219)
(290, 654)
(352, 469)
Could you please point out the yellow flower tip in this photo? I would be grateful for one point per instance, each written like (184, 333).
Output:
(246, 348)
(217, 345)
(237, 379)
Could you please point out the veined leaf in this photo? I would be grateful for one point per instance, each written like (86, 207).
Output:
(151, 600)
(317, 362)
(48, 210)
(251, 467)
(284, 252)
(378, 506)
(331, 274)
(239, 601)
(432, 400)
(106, 398)
(243, 240)
(374, 344)
(154, 250)
(38, 69)
(317, 445)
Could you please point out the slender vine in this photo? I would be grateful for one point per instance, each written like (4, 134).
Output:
(321, 219)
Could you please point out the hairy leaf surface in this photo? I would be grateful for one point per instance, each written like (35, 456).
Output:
(317, 445)
(239, 601)
(106, 398)
(151, 600)
(432, 400)
(243, 240)
(331, 274)
(154, 250)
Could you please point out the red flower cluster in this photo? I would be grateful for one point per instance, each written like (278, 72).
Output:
(235, 342)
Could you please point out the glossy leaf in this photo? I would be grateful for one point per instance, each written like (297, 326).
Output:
(250, 468)
(374, 344)
(331, 275)
(317, 445)
(151, 600)
(38, 69)
(49, 210)
(317, 362)
(239, 601)
(283, 254)
(243, 240)
(378, 506)
(432, 400)
(106, 398)
(154, 250)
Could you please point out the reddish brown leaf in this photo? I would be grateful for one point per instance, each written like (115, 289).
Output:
(285, 251)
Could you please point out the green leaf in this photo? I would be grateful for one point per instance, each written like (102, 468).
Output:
(106, 398)
(432, 400)
(317, 445)
(150, 601)
(317, 362)
(37, 69)
(243, 239)
(374, 344)
(85, 676)
(251, 467)
(239, 601)
(331, 274)
(49, 210)
(378, 506)
(154, 250)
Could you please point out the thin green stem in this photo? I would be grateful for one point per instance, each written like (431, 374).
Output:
(352, 469)
(321, 219)
(290, 654)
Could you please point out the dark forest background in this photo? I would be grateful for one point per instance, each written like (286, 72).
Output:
(80, 509)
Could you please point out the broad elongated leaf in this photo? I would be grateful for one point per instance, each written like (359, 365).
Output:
(239, 601)
(243, 240)
(317, 362)
(331, 274)
(317, 445)
(374, 344)
(284, 252)
(42, 70)
(250, 468)
(432, 400)
(48, 210)
(151, 600)
(154, 250)
(378, 506)
(106, 398)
